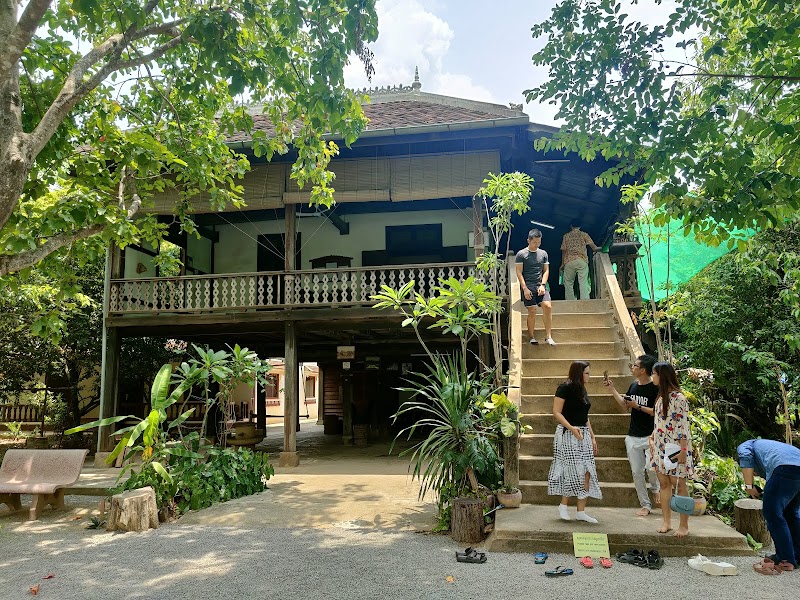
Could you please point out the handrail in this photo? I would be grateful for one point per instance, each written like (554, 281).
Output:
(514, 392)
(514, 337)
(299, 272)
(274, 290)
(608, 287)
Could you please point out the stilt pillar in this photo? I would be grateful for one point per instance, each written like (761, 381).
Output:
(111, 344)
(291, 398)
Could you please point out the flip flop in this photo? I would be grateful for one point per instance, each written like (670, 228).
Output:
(587, 562)
(540, 558)
(559, 571)
(606, 563)
(784, 565)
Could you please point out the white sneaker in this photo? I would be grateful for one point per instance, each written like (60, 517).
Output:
(534, 342)
(582, 516)
(701, 563)
(550, 341)
(563, 512)
(719, 569)
(697, 562)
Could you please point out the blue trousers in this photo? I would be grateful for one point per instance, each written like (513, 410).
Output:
(782, 512)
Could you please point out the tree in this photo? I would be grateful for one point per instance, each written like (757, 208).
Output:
(729, 320)
(104, 104)
(715, 134)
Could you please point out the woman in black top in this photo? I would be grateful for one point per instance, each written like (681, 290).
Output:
(573, 472)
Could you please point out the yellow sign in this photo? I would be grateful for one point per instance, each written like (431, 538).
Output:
(591, 544)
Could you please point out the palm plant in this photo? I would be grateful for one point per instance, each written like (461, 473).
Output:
(460, 445)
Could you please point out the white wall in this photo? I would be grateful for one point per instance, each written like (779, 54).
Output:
(237, 248)
(133, 258)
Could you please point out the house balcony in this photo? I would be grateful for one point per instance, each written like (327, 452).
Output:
(232, 293)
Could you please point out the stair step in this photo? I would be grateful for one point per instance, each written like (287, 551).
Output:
(545, 367)
(576, 319)
(571, 350)
(531, 528)
(548, 384)
(614, 494)
(605, 424)
(541, 444)
(540, 404)
(570, 334)
(609, 469)
(573, 306)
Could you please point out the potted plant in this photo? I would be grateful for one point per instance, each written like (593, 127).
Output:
(509, 496)
(698, 491)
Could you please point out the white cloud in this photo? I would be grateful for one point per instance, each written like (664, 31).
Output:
(412, 36)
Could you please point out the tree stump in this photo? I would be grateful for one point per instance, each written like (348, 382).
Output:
(466, 525)
(749, 518)
(134, 510)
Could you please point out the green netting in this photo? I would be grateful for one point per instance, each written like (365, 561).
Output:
(686, 258)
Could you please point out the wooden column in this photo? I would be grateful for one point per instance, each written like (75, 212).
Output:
(261, 408)
(347, 408)
(291, 396)
(320, 395)
(109, 369)
(290, 250)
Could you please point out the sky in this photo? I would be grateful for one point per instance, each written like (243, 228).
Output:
(469, 48)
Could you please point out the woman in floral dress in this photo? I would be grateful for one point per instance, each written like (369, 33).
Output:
(671, 427)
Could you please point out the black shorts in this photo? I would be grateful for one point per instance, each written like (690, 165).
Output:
(536, 299)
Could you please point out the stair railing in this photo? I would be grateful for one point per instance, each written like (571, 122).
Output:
(608, 288)
(514, 392)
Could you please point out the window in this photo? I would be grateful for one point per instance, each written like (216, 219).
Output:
(411, 240)
(310, 388)
(271, 388)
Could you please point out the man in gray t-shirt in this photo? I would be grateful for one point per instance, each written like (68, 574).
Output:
(533, 270)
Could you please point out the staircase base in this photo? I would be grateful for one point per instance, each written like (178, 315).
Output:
(537, 528)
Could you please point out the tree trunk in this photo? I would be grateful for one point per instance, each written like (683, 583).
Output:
(134, 510)
(749, 518)
(466, 525)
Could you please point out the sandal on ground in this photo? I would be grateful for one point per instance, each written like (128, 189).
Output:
(766, 567)
(587, 562)
(606, 563)
(540, 558)
(629, 556)
(473, 556)
(654, 560)
(784, 565)
(558, 571)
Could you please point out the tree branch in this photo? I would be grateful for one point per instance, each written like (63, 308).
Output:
(17, 262)
(735, 76)
(19, 39)
(75, 88)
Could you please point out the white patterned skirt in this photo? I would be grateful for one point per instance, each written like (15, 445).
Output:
(572, 459)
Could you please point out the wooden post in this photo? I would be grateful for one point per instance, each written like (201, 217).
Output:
(289, 457)
(261, 408)
(484, 340)
(290, 250)
(109, 368)
(347, 408)
(466, 526)
(320, 395)
(749, 518)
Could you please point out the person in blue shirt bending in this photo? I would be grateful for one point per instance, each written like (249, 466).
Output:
(779, 464)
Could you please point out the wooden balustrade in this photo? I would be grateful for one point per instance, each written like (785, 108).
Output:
(25, 413)
(308, 288)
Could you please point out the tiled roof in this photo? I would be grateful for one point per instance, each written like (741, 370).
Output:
(399, 113)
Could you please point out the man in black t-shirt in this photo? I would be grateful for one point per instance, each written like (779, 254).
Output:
(533, 269)
(641, 401)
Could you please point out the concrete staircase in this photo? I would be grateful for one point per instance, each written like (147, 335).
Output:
(588, 330)
(584, 330)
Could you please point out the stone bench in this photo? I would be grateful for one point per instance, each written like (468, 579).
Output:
(42, 473)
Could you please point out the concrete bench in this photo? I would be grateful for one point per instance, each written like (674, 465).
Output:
(42, 473)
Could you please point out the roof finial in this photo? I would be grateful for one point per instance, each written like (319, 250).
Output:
(416, 86)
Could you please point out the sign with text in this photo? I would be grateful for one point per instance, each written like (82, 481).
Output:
(345, 352)
(591, 544)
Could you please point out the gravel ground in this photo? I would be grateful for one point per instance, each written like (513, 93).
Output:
(198, 561)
